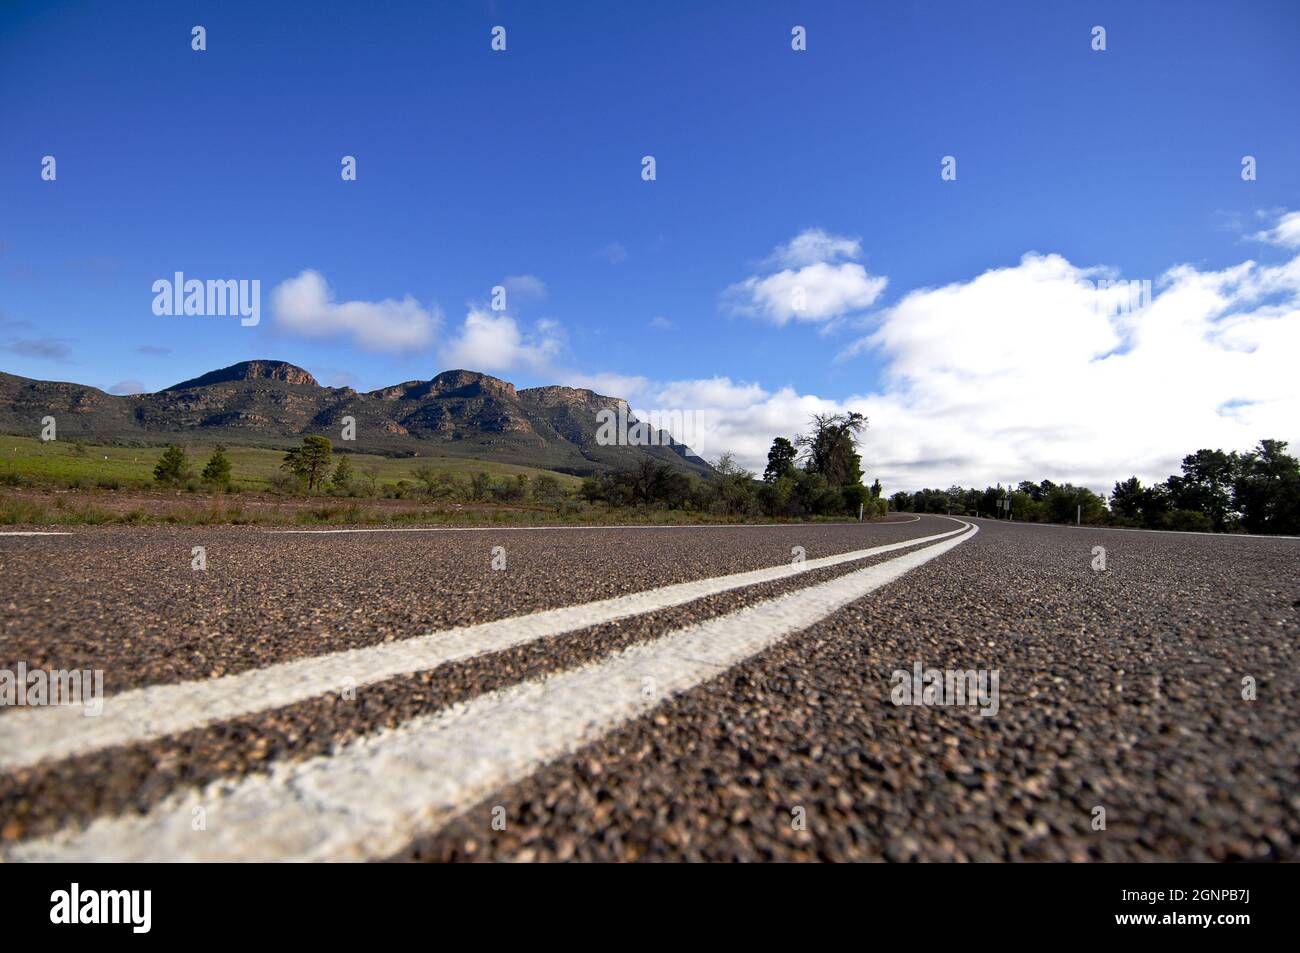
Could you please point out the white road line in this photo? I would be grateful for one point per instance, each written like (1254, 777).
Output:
(1132, 529)
(30, 735)
(506, 528)
(373, 796)
(29, 533)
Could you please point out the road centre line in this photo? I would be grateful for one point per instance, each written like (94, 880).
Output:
(507, 528)
(371, 797)
(31, 735)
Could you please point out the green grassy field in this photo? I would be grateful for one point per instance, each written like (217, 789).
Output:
(115, 485)
(28, 461)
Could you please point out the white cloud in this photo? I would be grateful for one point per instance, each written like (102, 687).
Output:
(712, 415)
(127, 387)
(814, 286)
(1286, 231)
(493, 341)
(305, 305)
(605, 384)
(1019, 374)
(814, 245)
(1029, 372)
(723, 415)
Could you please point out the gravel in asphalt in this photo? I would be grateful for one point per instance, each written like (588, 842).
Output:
(1118, 689)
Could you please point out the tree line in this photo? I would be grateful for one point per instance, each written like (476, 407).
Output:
(818, 473)
(1253, 492)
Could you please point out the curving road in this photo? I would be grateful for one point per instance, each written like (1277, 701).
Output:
(924, 689)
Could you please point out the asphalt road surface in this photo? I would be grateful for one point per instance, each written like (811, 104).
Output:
(728, 693)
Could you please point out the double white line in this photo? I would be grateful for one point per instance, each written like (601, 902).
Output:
(373, 796)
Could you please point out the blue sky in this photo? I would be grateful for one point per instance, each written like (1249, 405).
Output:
(475, 165)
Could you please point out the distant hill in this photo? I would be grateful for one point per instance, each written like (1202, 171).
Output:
(273, 403)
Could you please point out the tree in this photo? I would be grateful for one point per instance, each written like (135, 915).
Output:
(732, 487)
(780, 460)
(1126, 498)
(855, 495)
(173, 466)
(1155, 506)
(311, 462)
(1266, 489)
(342, 478)
(777, 498)
(830, 447)
(1067, 502)
(1206, 486)
(217, 470)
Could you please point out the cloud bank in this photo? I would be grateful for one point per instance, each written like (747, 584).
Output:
(1037, 370)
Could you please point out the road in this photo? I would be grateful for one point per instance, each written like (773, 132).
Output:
(655, 693)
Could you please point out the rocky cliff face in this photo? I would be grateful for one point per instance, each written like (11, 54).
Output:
(458, 412)
(251, 371)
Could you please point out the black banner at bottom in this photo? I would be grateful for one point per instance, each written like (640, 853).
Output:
(1177, 902)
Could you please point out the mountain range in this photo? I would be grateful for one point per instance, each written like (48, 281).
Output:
(274, 403)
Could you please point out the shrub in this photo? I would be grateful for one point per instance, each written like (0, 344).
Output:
(284, 483)
(547, 491)
(217, 470)
(1190, 521)
(342, 478)
(173, 467)
(511, 491)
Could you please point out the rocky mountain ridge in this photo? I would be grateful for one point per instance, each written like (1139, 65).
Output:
(274, 403)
